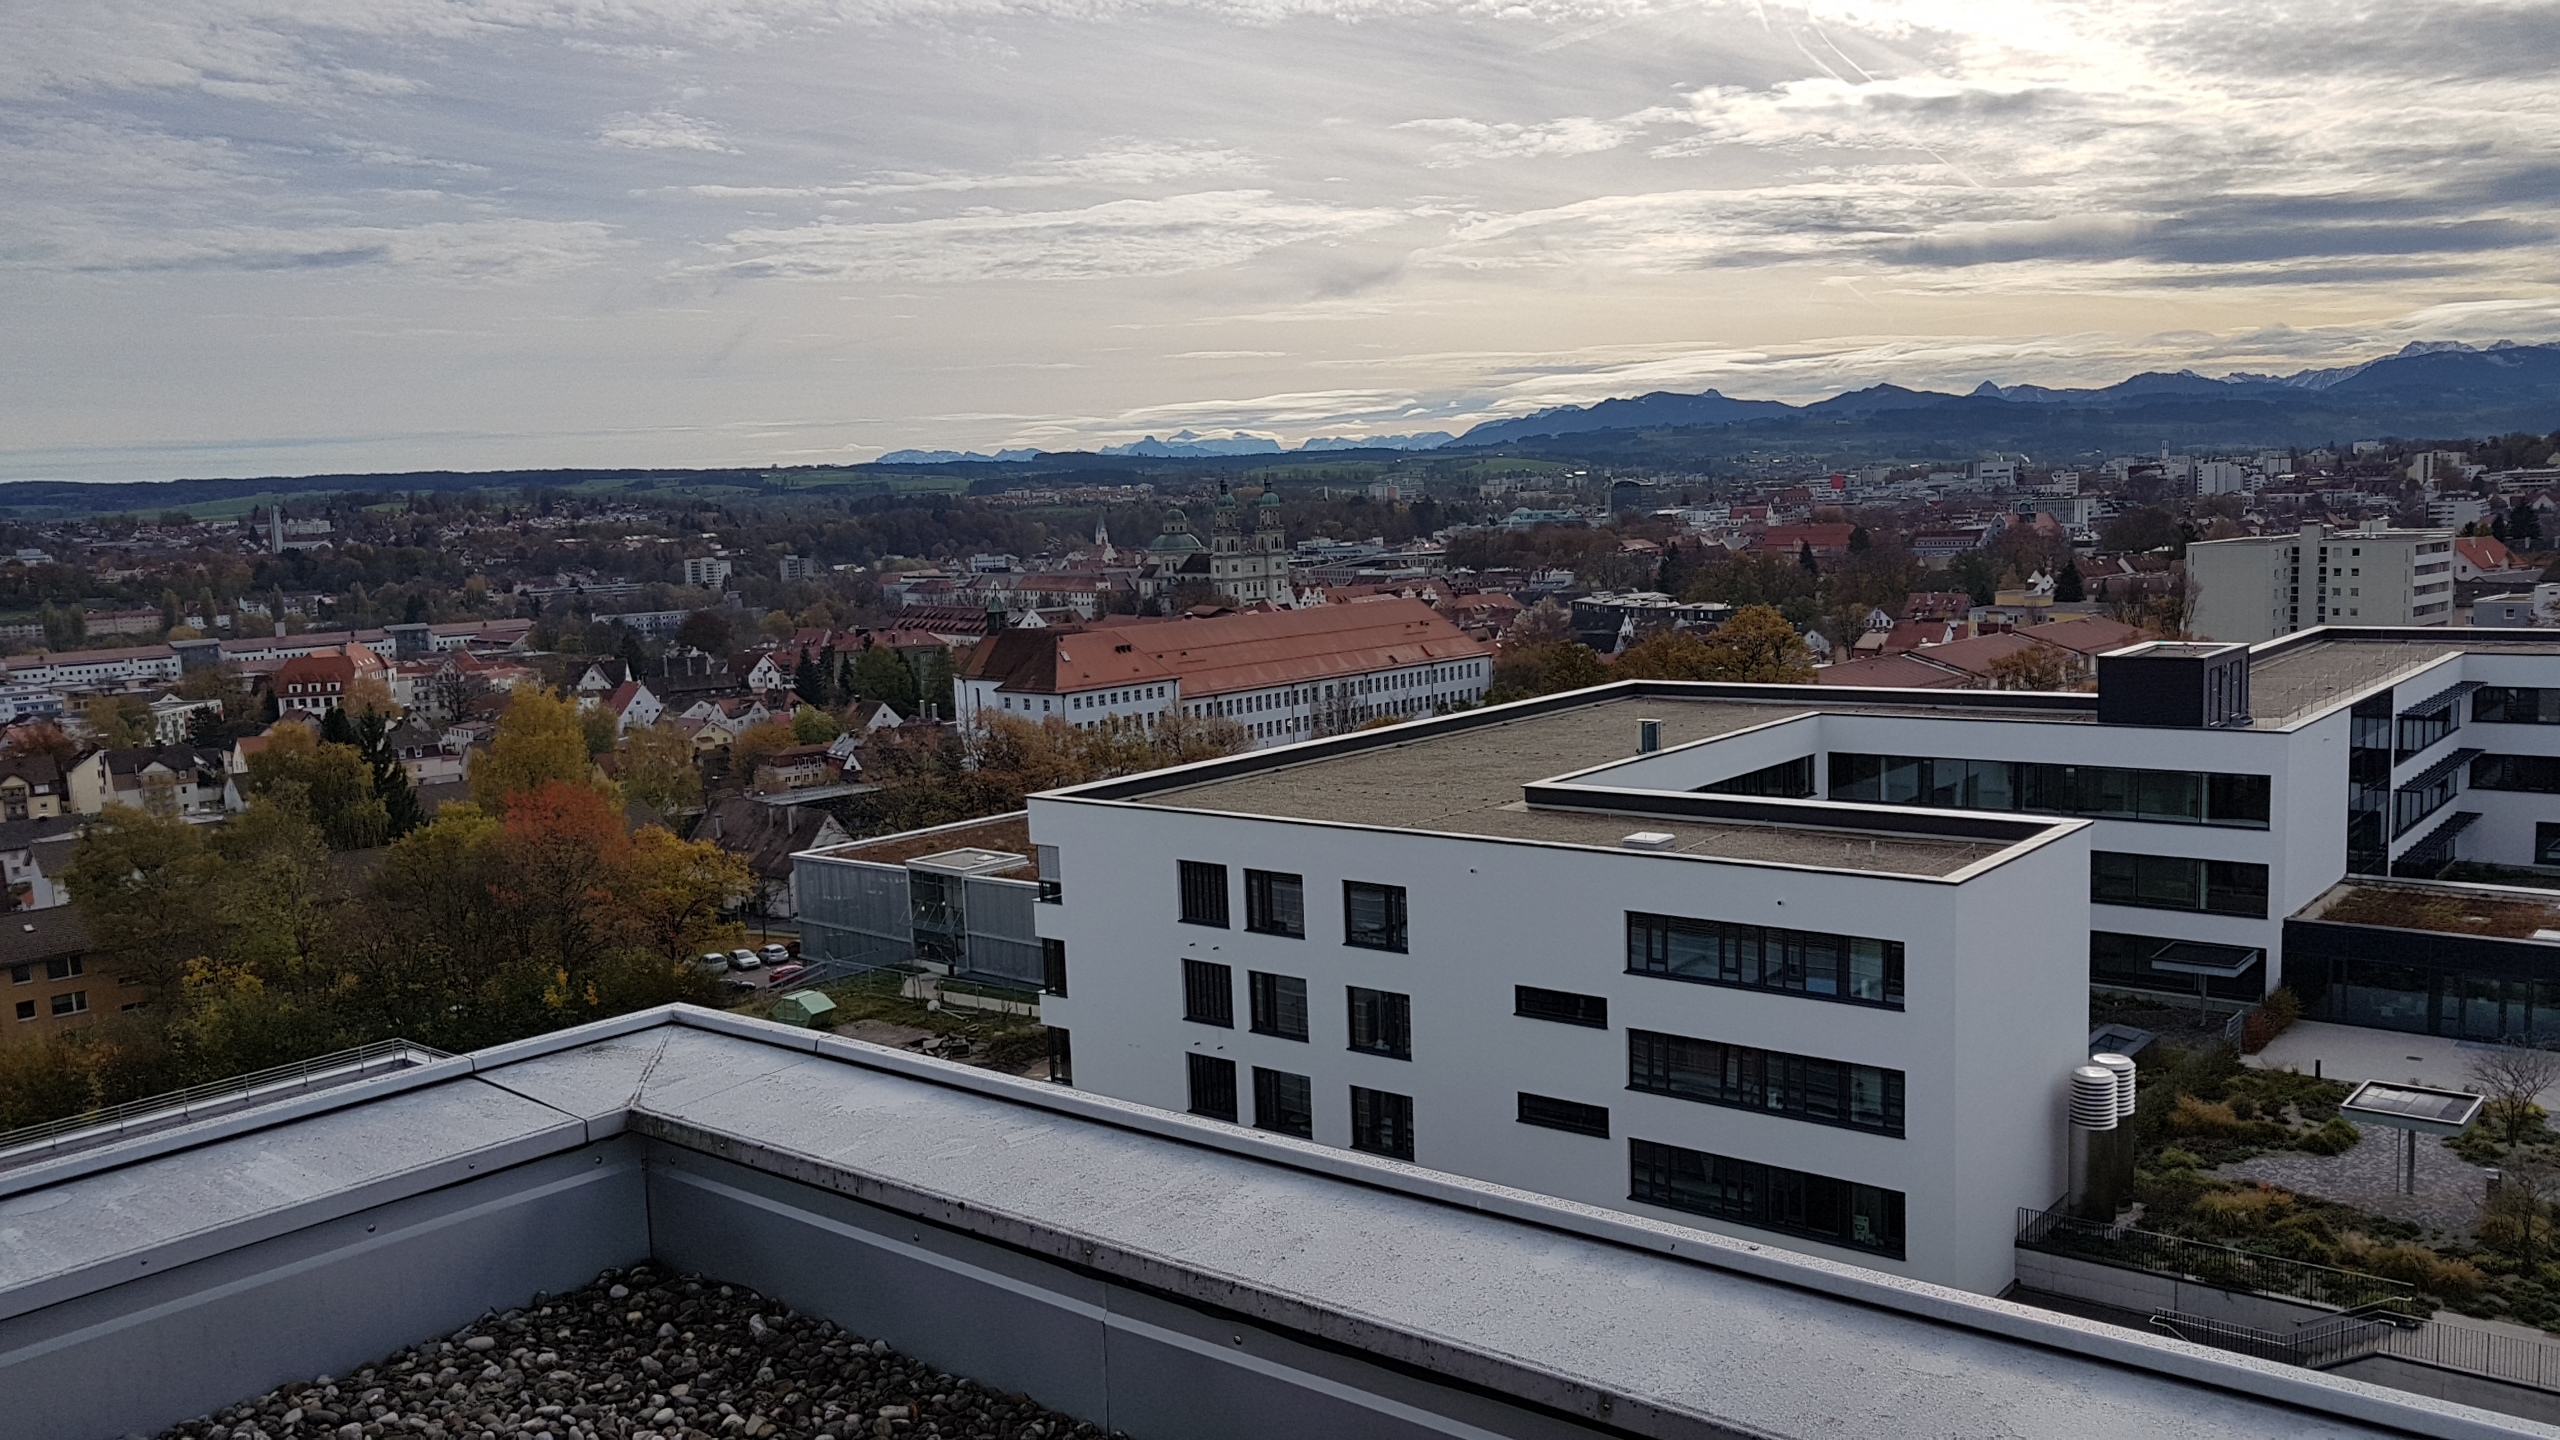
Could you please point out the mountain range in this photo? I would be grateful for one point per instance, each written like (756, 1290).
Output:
(2425, 391)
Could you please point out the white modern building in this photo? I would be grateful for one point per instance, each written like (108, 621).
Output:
(1790, 946)
(709, 572)
(1283, 675)
(2262, 586)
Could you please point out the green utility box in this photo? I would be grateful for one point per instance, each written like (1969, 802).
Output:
(805, 1008)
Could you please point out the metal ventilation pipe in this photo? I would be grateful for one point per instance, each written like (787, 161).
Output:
(2111, 1158)
(2094, 1121)
(1648, 736)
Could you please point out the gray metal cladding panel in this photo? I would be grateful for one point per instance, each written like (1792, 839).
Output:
(1181, 1372)
(1004, 909)
(326, 1299)
(66, 1238)
(1008, 1321)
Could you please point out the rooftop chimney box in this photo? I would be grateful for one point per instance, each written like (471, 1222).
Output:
(2192, 685)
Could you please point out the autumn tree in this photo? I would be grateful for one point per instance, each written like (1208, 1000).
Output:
(118, 722)
(330, 783)
(657, 770)
(1758, 644)
(812, 726)
(144, 884)
(1520, 672)
(758, 744)
(2038, 667)
(541, 738)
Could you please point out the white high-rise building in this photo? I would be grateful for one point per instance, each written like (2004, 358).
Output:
(2258, 587)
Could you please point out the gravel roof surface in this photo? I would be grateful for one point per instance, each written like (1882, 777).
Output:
(641, 1353)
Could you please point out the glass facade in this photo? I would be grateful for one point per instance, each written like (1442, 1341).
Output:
(1849, 968)
(2538, 774)
(2515, 705)
(2464, 987)
(2175, 882)
(1766, 1197)
(1800, 1087)
(1786, 780)
(2099, 792)
(2368, 784)
(2130, 962)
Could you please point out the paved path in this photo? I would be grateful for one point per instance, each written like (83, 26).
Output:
(2352, 1052)
(2368, 1177)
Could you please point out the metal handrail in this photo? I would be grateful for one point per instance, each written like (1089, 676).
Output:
(2222, 1266)
(183, 1104)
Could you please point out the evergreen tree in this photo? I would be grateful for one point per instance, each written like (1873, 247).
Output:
(390, 777)
(2526, 530)
(1860, 542)
(808, 681)
(337, 728)
(635, 656)
(2066, 586)
(1804, 557)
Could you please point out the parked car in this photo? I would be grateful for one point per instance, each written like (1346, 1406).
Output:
(775, 954)
(745, 960)
(716, 961)
(785, 974)
(738, 987)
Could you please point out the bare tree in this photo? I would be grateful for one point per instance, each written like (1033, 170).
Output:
(2513, 1076)
(2517, 1215)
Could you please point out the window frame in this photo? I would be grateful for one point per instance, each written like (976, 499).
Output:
(1760, 1196)
(1268, 998)
(1211, 1086)
(1589, 1011)
(1208, 993)
(1768, 1082)
(1202, 888)
(1384, 1110)
(1574, 1117)
(1269, 1112)
(1390, 1019)
(1394, 937)
(1765, 958)
(1260, 890)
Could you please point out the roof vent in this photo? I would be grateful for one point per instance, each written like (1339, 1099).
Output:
(1646, 840)
(29, 927)
(2093, 1098)
(1648, 736)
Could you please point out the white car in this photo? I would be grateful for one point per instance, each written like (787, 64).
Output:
(745, 960)
(775, 954)
(715, 960)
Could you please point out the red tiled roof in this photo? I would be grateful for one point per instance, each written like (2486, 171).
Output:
(1225, 654)
(1901, 672)
(2088, 635)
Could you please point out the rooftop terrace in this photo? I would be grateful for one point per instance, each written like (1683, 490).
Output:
(1152, 1273)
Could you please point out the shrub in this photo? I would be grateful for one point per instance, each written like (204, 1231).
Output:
(2176, 1159)
(2212, 1120)
(2335, 1137)
(2253, 1207)
(2457, 1281)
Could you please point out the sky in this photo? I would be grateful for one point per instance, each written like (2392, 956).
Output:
(254, 237)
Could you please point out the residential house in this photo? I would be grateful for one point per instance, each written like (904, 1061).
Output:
(31, 786)
(317, 684)
(169, 779)
(44, 972)
(766, 836)
(632, 704)
(33, 856)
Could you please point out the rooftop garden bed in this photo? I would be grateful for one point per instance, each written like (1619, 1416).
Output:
(2446, 912)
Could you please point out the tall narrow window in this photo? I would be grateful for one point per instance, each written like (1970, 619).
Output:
(1381, 1023)
(1373, 915)
(1279, 1004)
(1208, 993)
(1213, 1087)
(1275, 904)
(1284, 1103)
(1382, 1123)
(1204, 893)
(1053, 966)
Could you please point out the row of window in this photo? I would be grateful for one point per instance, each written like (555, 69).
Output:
(2538, 773)
(75, 1002)
(1823, 966)
(1800, 1087)
(2176, 882)
(2182, 797)
(64, 967)
(2516, 705)
(1381, 1121)
(1373, 915)
(1380, 1022)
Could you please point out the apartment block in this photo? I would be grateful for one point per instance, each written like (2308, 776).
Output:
(2259, 587)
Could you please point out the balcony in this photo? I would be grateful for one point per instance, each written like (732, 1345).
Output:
(1151, 1273)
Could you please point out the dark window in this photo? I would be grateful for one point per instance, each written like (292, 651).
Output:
(1760, 957)
(1800, 1087)
(1382, 1123)
(2176, 882)
(1062, 1062)
(1275, 904)
(1570, 1115)
(1053, 966)
(1372, 915)
(2178, 797)
(2516, 705)
(2417, 732)
(26, 1009)
(2131, 962)
(1279, 1004)
(21, 974)
(2411, 804)
(62, 969)
(1381, 1023)
(1786, 780)
(74, 1003)
(2546, 844)
(1767, 1197)
(1562, 1006)
(1204, 893)
(1213, 1087)
(2538, 773)
(1283, 1102)
(1208, 993)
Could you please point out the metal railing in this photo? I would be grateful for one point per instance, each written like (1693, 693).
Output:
(2202, 1262)
(2516, 1359)
(2329, 1340)
(197, 1101)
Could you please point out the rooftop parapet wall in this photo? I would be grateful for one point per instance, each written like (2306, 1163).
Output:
(1152, 1272)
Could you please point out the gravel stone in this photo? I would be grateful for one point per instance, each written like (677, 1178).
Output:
(641, 1354)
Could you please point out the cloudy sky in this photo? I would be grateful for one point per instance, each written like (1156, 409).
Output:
(275, 236)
